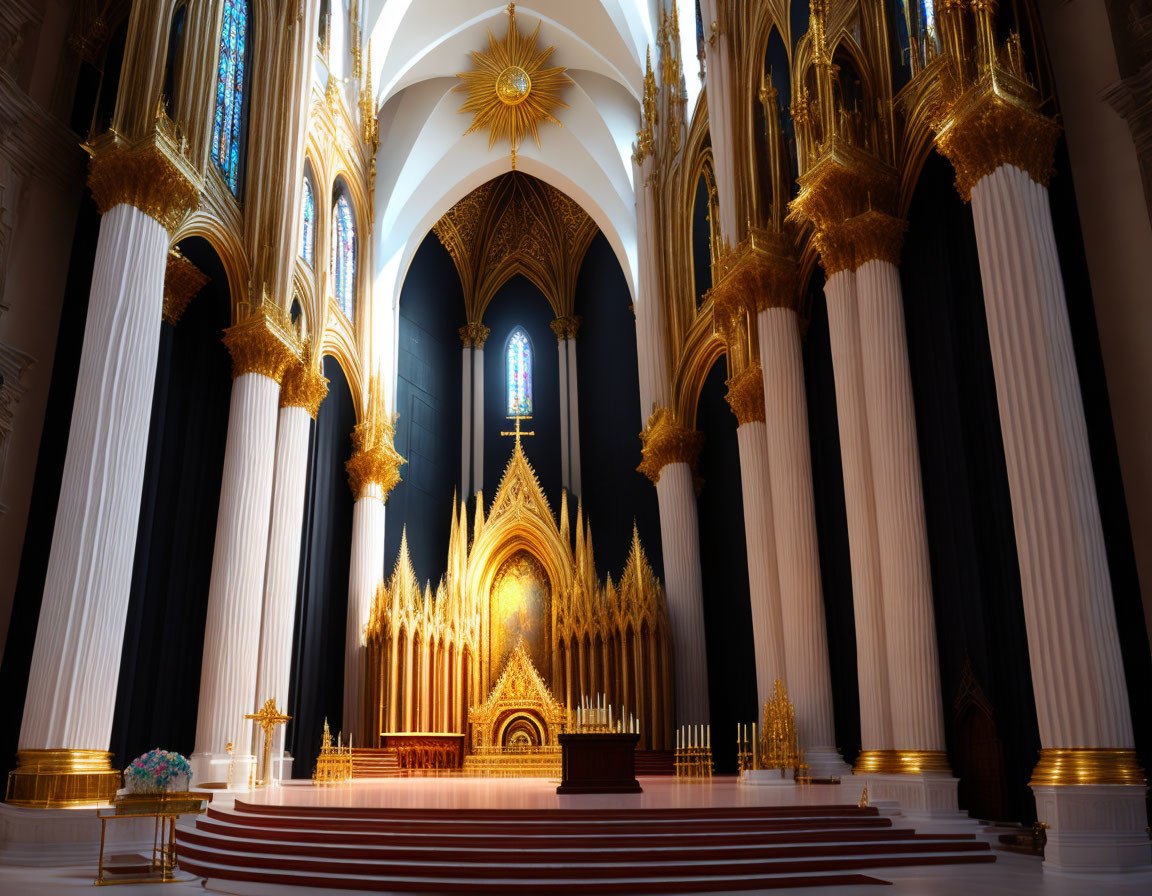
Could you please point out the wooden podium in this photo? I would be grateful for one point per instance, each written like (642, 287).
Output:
(599, 763)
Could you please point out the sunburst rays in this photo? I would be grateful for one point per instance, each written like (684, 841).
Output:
(510, 93)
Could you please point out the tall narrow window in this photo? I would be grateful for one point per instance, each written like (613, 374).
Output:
(344, 256)
(308, 225)
(231, 76)
(519, 374)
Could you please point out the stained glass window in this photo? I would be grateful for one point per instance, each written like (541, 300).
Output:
(230, 84)
(519, 373)
(308, 226)
(344, 256)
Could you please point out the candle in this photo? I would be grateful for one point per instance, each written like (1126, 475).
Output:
(709, 743)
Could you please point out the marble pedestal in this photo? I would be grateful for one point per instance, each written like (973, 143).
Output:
(1094, 829)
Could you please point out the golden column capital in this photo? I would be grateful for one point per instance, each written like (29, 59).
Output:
(151, 174)
(262, 343)
(475, 334)
(746, 394)
(182, 281)
(875, 236)
(759, 272)
(375, 460)
(996, 122)
(303, 385)
(666, 441)
(566, 327)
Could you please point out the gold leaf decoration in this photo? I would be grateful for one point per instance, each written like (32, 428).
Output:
(510, 92)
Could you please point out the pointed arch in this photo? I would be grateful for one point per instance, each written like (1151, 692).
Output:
(344, 255)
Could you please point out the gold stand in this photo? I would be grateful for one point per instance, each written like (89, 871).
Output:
(50, 779)
(165, 809)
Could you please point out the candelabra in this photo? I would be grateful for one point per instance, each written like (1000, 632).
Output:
(596, 716)
(693, 758)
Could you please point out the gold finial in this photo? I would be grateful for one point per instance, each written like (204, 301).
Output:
(863, 804)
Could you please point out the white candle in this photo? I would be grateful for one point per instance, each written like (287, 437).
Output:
(709, 743)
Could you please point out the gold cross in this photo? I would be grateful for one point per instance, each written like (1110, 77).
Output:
(268, 718)
(517, 432)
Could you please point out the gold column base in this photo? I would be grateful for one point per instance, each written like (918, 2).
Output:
(901, 762)
(51, 779)
(1087, 765)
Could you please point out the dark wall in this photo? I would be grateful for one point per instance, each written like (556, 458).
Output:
(609, 382)
(989, 713)
(317, 685)
(519, 303)
(724, 565)
(428, 402)
(164, 635)
(831, 521)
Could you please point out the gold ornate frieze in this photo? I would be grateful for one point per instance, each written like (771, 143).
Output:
(996, 123)
(475, 334)
(182, 281)
(666, 441)
(567, 327)
(303, 385)
(151, 174)
(263, 343)
(746, 394)
(1064, 767)
(510, 92)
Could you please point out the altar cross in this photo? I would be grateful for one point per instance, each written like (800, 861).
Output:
(268, 718)
(517, 432)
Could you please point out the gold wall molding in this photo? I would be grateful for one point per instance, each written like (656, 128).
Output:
(475, 334)
(1067, 767)
(303, 385)
(151, 174)
(746, 394)
(567, 327)
(263, 343)
(666, 441)
(182, 282)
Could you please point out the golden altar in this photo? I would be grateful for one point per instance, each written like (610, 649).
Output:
(518, 633)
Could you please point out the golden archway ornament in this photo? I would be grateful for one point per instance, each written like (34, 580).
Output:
(510, 93)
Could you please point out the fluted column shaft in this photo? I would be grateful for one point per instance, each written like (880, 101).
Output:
(365, 575)
(466, 422)
(680, 539)
(231, 637)
(763, 575)
(797, 552)
(863, 544)
(76, 658)
(478, 417)
(909, 620)
(280, 581)
(1077, 671)
(565, 467)
(573, 418)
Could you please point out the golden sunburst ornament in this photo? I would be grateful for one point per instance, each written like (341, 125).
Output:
(509, 91)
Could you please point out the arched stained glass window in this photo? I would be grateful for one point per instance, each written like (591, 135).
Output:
(344, 256)
(308, 226)
(231, 80)
(519, 374)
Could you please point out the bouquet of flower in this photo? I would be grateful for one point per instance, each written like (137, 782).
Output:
(158, 771)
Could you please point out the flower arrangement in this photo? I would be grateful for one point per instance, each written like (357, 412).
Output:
(158, 771)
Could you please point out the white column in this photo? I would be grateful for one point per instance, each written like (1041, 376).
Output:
(478, 416)
(76, 658)
(235, 593)
(1077, 670)
(466, 422)
(366, 573)
(763, 576)
(851, 413)
(573, 418)
(281, 578)
(909, 619)
(684, 587)
(797, 552)
(565, 468)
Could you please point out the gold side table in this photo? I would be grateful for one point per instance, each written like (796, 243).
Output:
(165, 809)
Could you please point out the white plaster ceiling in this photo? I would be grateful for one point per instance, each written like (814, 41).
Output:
(425, 164)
